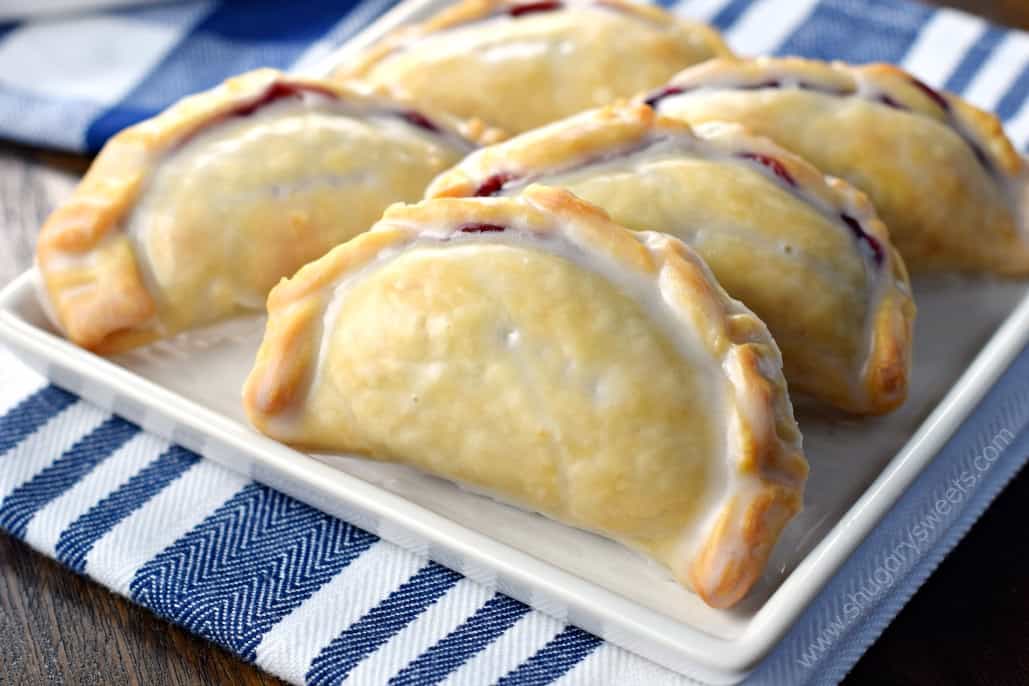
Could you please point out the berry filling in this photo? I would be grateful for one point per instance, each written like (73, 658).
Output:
(777, 167)
(493, 184)
(481, 228)
(890, 102)
(534, 7)
(279, 91)
(418, 119)
(656, 97)
(874, 246)
(931, 93)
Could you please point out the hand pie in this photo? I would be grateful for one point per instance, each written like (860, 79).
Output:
(194, 215)
(532, 349)
(806, 253)
(942, 174)
(521, 64)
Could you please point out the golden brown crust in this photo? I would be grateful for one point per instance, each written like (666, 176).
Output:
(848, 79)
(557, 146)
(751, 522)
(279, 374)
(468, 11)
(889, 360)
(983, 126)
(891, 323)
(87, 263)
(285, 360)
(465, 43)
(737, 547)
(942, 172)
(764, 445)
(881, 383)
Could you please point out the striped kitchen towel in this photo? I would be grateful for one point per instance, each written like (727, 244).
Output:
(316, 600)
(312, 598)
(304, 595)
(73, 82)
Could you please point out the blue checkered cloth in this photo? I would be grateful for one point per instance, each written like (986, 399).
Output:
(312, 598)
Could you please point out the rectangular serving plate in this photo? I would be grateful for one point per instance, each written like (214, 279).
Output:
(187, 390)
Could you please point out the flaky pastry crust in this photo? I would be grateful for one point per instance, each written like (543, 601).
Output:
(88, 261)
(757, 445)
(519, 64)
(941, 172)
(870, 374)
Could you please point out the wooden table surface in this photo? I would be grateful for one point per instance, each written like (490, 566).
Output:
(968, 625)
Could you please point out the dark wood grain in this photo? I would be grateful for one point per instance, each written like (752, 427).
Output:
(1011, 12)
(967, 626)
(29, 188)
(59, 628)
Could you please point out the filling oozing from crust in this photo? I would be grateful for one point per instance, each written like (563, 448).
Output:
(513, 11)
(772, 164)
(271, 185)
(759, 250)
(523, 8)
(875, 96)
(303, 93)
(499, 182)
(481, 228)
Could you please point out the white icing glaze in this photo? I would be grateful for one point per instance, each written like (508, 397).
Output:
(528, 36)
(864, 89)
(213, 144)
(659, 147)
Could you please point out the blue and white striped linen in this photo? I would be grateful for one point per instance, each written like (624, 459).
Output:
(73, 82)
(304, 595)
(314, 599)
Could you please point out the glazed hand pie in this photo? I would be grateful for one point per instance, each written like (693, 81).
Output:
(531, 349)
(806, 253)
(194, 215)
(522, 63)
(942, 174)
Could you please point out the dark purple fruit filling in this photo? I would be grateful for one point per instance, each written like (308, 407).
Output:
(284, 91)
(669, 91)
(981, 156)
(524, 8)
(279, 91)
(771, 83)
(275, 92)
(481, 228)
(941, 101)
(418, 119)
(776, 166)
(932, 93)
(656, 97)
(493, 184)
(890, 102)
(874, 246)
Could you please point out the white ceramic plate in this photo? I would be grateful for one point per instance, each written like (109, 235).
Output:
(187, 389)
